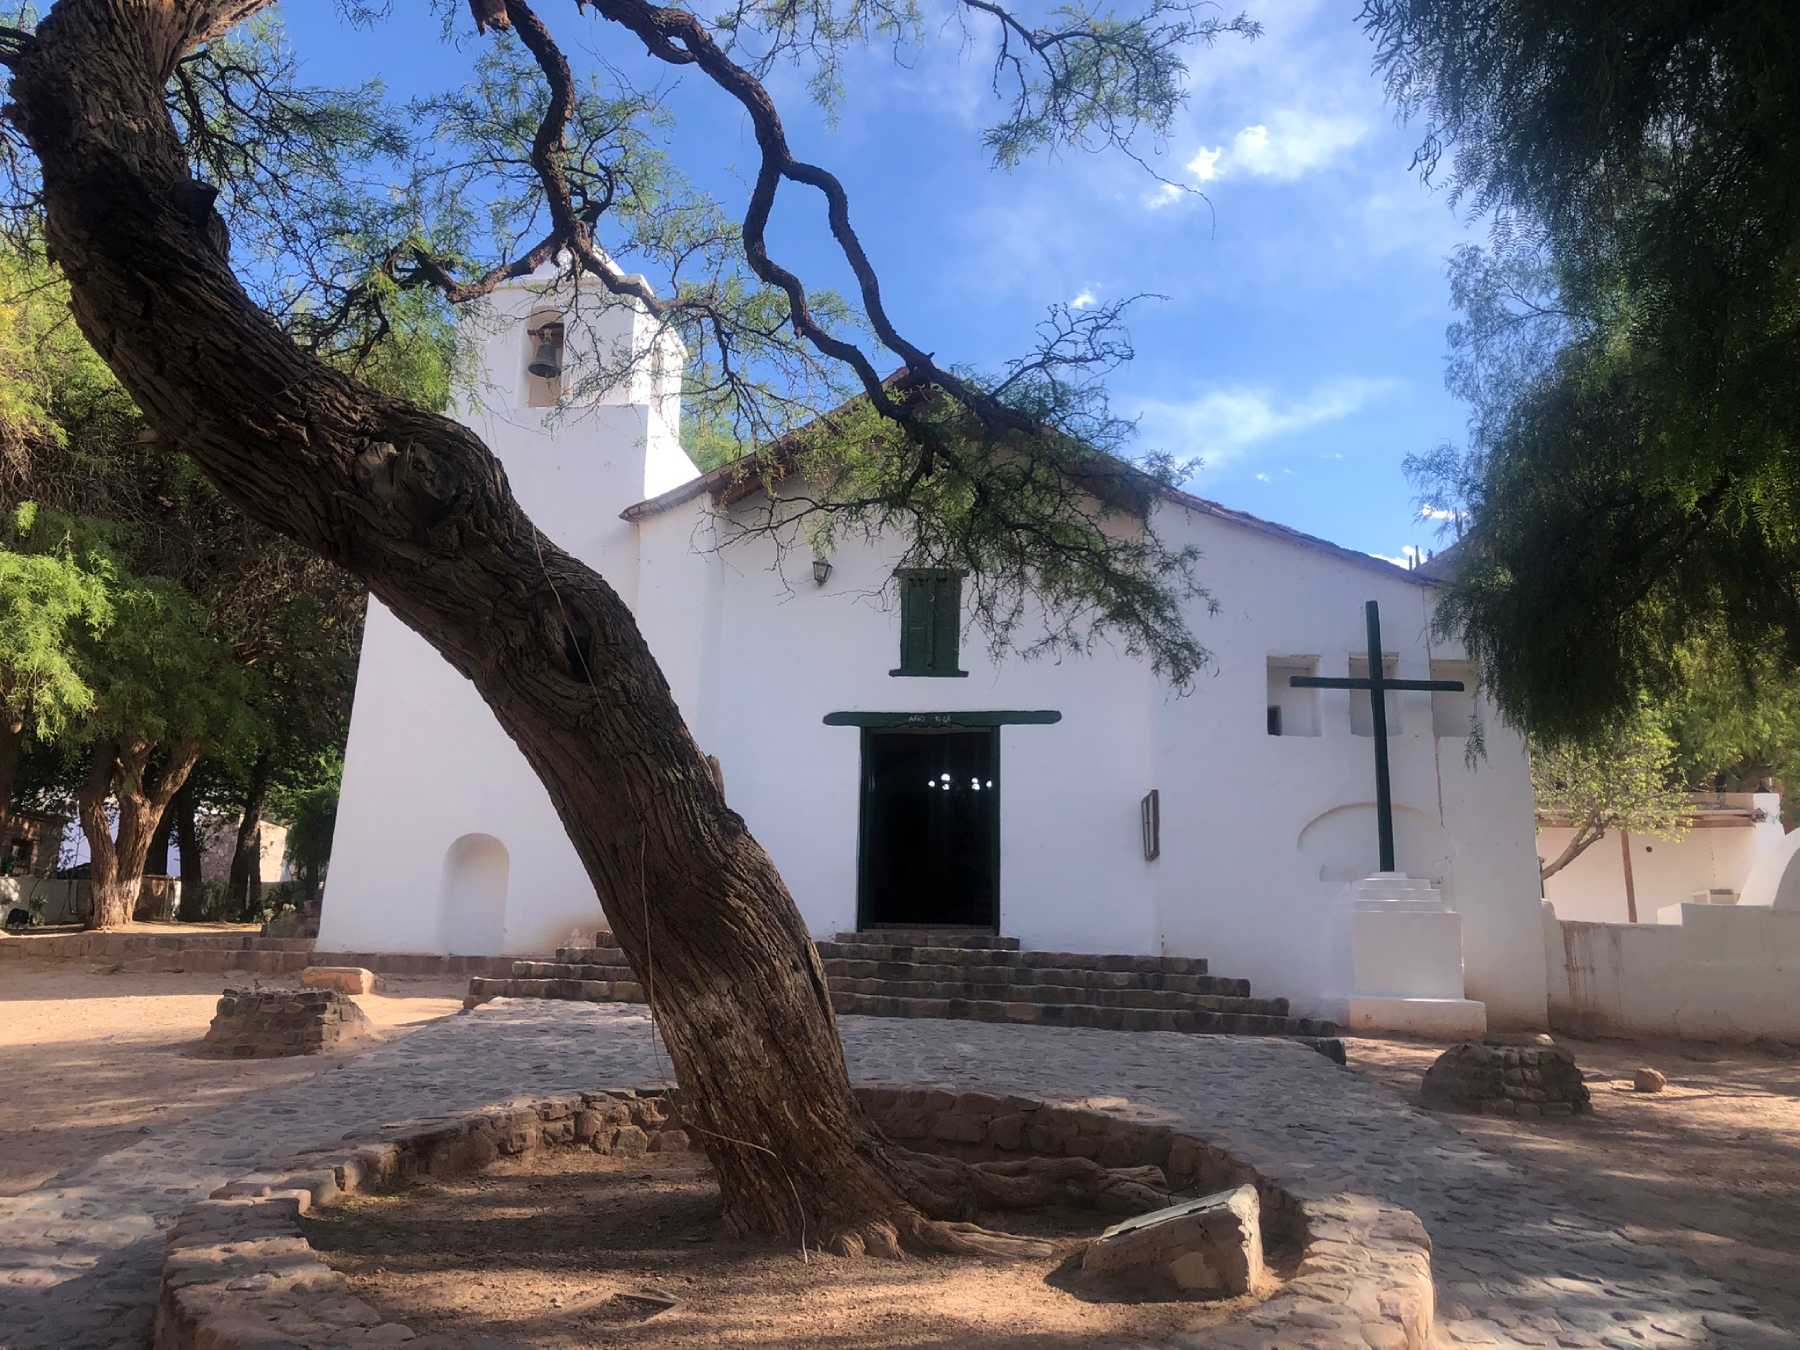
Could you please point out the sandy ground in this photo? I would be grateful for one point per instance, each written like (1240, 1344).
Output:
(571, 1249)
(1709, 1168)
(90, 1062)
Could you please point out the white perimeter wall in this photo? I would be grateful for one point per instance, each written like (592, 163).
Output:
(1723, 973)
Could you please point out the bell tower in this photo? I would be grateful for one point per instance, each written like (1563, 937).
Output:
(579, 396)
(446, 841)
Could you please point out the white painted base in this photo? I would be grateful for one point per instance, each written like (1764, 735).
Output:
(1442, 1018)
(1398, 961)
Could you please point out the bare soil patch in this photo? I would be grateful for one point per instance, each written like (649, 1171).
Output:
(1708, 1169)
(91, 1061)
(566, 1248)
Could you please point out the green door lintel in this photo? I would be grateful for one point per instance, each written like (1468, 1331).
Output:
(928, 720)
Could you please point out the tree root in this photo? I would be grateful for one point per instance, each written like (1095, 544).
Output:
(947, 1193)
(950, 1189)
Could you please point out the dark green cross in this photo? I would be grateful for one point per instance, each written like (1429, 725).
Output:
(1378, 685)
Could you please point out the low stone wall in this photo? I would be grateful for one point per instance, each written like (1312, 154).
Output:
(239, 1271)
(213, 952)
(1724, 973)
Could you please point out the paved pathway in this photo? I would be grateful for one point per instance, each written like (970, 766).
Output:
(1517, 1261)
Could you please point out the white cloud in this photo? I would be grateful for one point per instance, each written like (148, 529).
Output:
(1221, 424)
(1205, 165)
(1410, 555)
(1437, 513)
(1294, 144)
(1166, 194)
(1261, 477)
(1086, 300)
(1289, 145)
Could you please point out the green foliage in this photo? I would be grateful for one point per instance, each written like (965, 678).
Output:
(308, 807)
(132, 656)
(46, 365)
(53, 602)
(1627, 780)
(1629, 345)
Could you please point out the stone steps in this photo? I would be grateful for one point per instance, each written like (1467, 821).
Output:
(1019, 960)
(974, 977)
(1020, 976)
(1062, 994)
(1080, 1015)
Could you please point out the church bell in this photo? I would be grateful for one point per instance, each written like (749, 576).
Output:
(547, 363)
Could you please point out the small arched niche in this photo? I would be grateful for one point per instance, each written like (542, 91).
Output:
(472, 895)
(544, 351)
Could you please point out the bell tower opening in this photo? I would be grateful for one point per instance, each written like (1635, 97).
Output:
(544, 354)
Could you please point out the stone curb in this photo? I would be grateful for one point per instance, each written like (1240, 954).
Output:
(238, 1270)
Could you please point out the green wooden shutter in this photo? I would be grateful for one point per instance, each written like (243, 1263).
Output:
(930, 623)
(946, 624)
(916, 596)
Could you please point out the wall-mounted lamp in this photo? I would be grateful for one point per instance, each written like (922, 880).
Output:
(821, 571)
(547, 363)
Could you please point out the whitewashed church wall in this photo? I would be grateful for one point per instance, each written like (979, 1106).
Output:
(1263, 831)
(1072, 873)
(426, 766)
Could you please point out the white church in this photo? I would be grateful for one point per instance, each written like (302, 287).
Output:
(901, 778)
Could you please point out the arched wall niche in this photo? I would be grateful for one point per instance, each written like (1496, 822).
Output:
(472, 903)
(1339, 846)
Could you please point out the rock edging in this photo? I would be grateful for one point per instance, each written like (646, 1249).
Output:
(239, 1271)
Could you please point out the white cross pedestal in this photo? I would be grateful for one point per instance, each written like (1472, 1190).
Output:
(1397, 961)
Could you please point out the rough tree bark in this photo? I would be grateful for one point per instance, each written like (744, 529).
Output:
(1588, 833)
(416, 506)
(156, 860)
(245, 884)
(120, 770)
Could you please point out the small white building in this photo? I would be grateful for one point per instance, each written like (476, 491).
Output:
(1636, 878)
(929, 786)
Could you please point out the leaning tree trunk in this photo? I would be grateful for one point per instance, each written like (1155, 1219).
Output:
(415, 506)
(120, 770)
(245, 885)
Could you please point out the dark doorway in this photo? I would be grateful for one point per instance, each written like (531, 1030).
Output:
(931, 829)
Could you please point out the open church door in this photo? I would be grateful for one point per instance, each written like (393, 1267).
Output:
(930, 855)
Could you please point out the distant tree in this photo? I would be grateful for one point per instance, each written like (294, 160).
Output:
(1630, 343)
(154, 689)
(1626, 782)
(49, 603)
(307, 805)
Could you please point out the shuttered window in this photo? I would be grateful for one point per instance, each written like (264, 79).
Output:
(930, 622)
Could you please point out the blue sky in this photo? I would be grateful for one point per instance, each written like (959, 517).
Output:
(1299, 349)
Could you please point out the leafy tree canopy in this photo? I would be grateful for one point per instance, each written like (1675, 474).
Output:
(51, 602)
(1629, 343)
